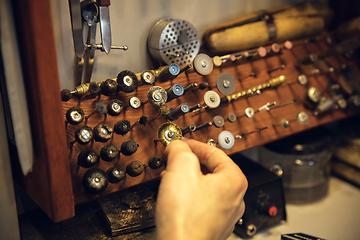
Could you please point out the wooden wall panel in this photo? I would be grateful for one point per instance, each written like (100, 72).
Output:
(49, 183)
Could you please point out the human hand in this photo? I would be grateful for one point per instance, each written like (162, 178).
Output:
(193, 205)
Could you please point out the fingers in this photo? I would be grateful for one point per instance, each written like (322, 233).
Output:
(180, 158)
(211, 157)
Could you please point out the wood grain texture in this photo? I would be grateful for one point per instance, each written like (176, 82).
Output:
(49, 183)
(145, 135)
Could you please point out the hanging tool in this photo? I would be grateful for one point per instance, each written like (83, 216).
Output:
(105, 24)
(76, 25)
(89, 12)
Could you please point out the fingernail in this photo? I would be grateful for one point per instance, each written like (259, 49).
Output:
(185, 139)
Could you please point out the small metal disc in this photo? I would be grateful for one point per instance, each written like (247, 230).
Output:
(102, 132)
(314, 94)
(302, 118)
(218, 121)
(211, 142)
(217, 61)
(212, 99)
(285, 123)
(115, 107)
(225, 83)
(84, 135)
(249, 112)
(135, 102)
(341, 102)
(302, 79)
(226, 140)
(75, 115)
(203, 64)
(168, 132)
(147, 77)
(157, 96)
(231, 117)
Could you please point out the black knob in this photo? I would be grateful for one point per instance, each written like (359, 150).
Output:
(203, 85)
(84, 135)
(102, 132)
(129, 147)
(116, 174)
(65, 95)
(122, 127)
(108, 153)
(135, 168)
(143, 120)
(127, 81)
(88, 158)
(108, 87)
(75, 115)
(156, 162)
(115, 107)
(95, 181)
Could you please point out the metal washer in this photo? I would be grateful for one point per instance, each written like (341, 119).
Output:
(226, 140)
(231, 117)
(203, 64)
(168, 132)
(135, 102)
(302, 118)
(302, 79)
(211, 142)
(249, 112)
(157, 96)
(226, 83)
(212, 99)
(218, 121)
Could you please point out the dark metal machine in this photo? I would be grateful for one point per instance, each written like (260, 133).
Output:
(264, 199)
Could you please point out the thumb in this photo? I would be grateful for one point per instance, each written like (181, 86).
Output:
(180, 158)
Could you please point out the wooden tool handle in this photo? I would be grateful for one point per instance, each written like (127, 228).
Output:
(291, 22)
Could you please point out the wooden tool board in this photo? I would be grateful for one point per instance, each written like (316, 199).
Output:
(240, 70)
